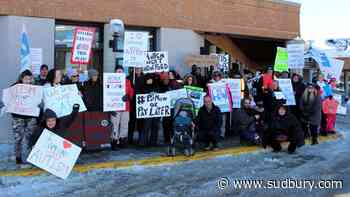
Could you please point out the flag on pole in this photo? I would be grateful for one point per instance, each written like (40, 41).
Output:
(25, 50)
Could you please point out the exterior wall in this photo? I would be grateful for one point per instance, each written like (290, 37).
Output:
(179, 43)
(108, 55)
(41, 35)
(262, 18)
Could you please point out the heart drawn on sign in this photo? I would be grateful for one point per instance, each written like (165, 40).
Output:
(66, 144)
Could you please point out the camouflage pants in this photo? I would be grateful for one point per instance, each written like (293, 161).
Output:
(23, 130)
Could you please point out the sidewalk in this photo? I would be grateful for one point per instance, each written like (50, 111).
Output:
(138, 157)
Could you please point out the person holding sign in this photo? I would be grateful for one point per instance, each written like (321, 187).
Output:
(41, 79)
(23, 126)
(120, 119)
(53, 124)
(54, 78)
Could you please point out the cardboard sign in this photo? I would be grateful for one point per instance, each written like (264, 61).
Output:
(54, 154)
(152, 105)
(287, 89)
(175, 95)
(23, 99)
(220, 94)
(281, 61)
(82, 45)
(156, 62)
(62, 98)
(296, 55)
(135, 46)
(114, 89)
(235, 89)
(196, 95)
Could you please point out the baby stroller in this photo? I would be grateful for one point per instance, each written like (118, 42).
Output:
(182, 127)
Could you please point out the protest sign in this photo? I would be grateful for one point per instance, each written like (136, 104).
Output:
(54, 154)
(135, 46)
(202, 60)
(152, 105)
(62, 98)
(342, 110)
(36, 58)
(175, 95)
(156, 62)
(114, 89)
(334, 70)
(196, 95)
(287, 89)
(296, 55)
(220, 94)
(82, 45)
(23, 99)
(223, 64)
(235, 89)
(281, 61)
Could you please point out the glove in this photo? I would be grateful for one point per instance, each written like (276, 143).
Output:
(76, 107)
(125, 98)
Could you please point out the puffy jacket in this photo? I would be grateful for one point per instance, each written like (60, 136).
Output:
(93, 96)
(209, 122)
(311, 112)
(330, 106)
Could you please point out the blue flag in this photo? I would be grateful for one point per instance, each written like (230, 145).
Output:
(25, 51)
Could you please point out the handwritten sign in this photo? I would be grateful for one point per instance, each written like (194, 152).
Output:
(235, 89)
(152, 105)
(342, 110)
(54, 154)
(224, 61)
(296, 55)
(196, 95)
(23, 99)
(113, 91)
(175, 95)
(156, 62)
(219, 92)
(135, 46)
(281, 61)
(82, 45)
(62, 98)
(287, 89)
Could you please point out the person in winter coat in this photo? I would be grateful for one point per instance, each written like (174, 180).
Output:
(41, 79)
(208, 122)
(246, 120)
(93, 92)
(310, 108)
(168, 83)
(190, 80)
(298, 88)
(138, 85)
(54, 78)
(196, 72)
(285, 127)
(149, 136)
(23, 126)
(54, 124)
(120, 119)
(329, 107)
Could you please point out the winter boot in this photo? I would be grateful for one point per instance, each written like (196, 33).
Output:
(314, 141)
(19, 160)
(114, 145)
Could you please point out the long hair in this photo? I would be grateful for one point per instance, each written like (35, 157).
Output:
(51, 76)
(309, 97)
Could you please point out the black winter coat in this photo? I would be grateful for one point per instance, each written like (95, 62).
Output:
(93, 96)
(209, 122)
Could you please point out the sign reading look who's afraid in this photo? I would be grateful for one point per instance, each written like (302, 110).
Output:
(156, 62)
(82, 45)
(54, 154)
(152, 105)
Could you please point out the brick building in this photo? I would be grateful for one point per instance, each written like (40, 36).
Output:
(248, 30)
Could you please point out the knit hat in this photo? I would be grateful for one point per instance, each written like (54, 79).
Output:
(92, 73)
(49, 114)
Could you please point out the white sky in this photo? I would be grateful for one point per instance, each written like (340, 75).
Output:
(323, 19)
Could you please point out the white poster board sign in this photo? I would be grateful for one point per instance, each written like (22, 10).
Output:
(296, 55)
(342, 110)
(36, 58)
(156, 62)
(152, 105)
(219, 92)
(114, 89)
(175, 95)
(224, 61)
(82, 45)
(135, 46)
(235, 89)
(287, 89)
(334, 69)
(23, 99)
(54, 154)
(62, 98)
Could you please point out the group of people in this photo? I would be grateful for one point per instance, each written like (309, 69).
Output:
(262, 119)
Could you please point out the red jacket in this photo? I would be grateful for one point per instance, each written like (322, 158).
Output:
(130, 93)
(330, 106)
